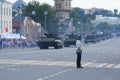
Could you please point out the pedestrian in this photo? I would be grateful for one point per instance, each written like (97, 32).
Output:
(23, 44)
(79, 45)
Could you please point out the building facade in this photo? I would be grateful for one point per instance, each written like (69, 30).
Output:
(17, 20)
(5, 17)
(32, 30)
(110, 20)
(62, 8)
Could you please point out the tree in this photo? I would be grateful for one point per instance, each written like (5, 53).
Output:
(40, 17)
(103, 26)
(79, 15)
(75, 15)
(104, 12)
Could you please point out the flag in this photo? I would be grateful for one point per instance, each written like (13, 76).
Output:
(6, 29)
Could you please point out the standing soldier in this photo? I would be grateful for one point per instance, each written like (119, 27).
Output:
(79, 45)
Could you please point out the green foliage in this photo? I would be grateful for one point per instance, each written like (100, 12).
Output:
(103, 26)
(52, 20)
(13, 13)
(39, 15)
(84, 19)
(104, 13)
(75, 15)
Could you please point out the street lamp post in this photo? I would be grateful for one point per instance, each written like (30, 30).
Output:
(20, 8)
(88, 24)
(20, 25)
(33, 14)
(45, 14)
(78, 27)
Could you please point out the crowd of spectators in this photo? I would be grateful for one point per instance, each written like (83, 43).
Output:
(17, 43)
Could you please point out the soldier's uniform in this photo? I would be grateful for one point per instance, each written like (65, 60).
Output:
(79, 45)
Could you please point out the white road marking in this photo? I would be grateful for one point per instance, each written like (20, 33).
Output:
(39, 79)
(101, 65)
(117, 66)
(39, 63)
(45, 78)
(87, 64)
(110, 65)
(104, 57)
(69, 64)
(55, 74)
(12, 63)
(54, 63)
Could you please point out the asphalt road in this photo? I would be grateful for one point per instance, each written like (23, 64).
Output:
(101, 61)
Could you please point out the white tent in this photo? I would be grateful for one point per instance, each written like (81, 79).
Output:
(12, 36)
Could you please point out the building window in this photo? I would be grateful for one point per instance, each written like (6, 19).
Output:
(56, 6)
(4, 11)
(59, 6)
(9, 12)
(66, 6)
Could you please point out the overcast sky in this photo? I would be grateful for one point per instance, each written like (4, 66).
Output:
(106, 4)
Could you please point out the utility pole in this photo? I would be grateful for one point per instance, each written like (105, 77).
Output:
(45, 14)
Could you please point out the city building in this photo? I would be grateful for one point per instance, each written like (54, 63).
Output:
(92, 10)
(32, 30)
(17, 4)
(110, 20)
(5, 17)
(17, 20)
(25, 25)
(62, 8)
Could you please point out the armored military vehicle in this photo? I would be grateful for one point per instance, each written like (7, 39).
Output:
(70, 41)
(90, 38)
(51, 40)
